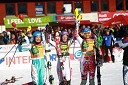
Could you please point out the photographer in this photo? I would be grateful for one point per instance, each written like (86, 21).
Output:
(22, 38)
(124, 45)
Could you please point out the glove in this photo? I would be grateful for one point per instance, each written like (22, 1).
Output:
(99, 63)
(49, 64)
(1, 60)
(51, 78)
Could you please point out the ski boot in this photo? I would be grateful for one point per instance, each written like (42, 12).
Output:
(13, 79)
(51, 79)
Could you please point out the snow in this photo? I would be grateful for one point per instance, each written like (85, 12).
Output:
(111, 74)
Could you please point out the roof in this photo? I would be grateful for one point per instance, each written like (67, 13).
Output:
(13, 1)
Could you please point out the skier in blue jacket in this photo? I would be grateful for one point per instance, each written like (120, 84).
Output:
(108, 42)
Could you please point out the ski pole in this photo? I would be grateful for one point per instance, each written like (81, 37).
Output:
(13, 56)
(10, 50)
(2, 59)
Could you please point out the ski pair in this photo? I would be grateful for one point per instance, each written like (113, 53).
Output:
(47, 50)
(12, 80)
(60, 56)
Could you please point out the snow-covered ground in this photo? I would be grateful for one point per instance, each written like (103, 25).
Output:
(111, 74)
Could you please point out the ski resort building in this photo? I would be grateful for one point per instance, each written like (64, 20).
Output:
(92, 10)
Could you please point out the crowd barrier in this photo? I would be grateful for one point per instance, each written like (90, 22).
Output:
(23, 58)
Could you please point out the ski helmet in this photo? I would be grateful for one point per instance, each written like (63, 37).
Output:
(86, 30)
(37, 33)
(64, 33)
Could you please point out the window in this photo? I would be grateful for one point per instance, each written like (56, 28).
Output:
(22, 8)
(126, 4)
(39, 8)
(51, 7)
(119, 4)
(94, 5)
(104, 5)
(78, 4)
(67, 7)
(10, 9)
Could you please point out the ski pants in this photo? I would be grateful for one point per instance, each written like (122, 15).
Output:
(87, 67)
(63, 69)
(125, 75)
(106, 53)
(38, 71)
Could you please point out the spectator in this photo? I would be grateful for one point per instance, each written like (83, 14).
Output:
(12, 39)
(29, 35)
(108, 41)
(5, 37)
(1, 39)
(23, 38)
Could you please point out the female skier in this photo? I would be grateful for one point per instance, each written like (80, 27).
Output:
(63, 66)
(87, 62)
(37, 51)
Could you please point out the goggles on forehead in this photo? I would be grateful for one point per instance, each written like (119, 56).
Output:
(86, 30)
(87, 33)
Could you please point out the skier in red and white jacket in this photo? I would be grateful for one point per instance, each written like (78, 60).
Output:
(62, 45)
(87, 62)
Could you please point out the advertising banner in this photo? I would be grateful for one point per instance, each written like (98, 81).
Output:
(67, 17)
(36, 21)
(24, 58)
(93, 17)
(104, 16)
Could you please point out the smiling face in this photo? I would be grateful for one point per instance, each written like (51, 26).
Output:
(64, 38)
(37, 39)
(87, 34)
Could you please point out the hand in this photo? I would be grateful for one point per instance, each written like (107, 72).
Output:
(100, 63)
(1, 60)
(49, 64)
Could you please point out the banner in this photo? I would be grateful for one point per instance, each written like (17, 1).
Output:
(104, 16)
(93, 17)
(24, 58)
(68, 17)
(36, 21)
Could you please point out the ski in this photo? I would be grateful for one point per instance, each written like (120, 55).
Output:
(98, 43)
(98, 59)
(58, 49)
(12, 80)
(47, 50)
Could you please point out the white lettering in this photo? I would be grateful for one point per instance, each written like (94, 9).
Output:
(102, 15)
(8, 22)
(17, 21)
(117, 14)
(34, 20)
(62, 18)
(103, 19)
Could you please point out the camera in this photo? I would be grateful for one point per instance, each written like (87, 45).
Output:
(48, 29)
